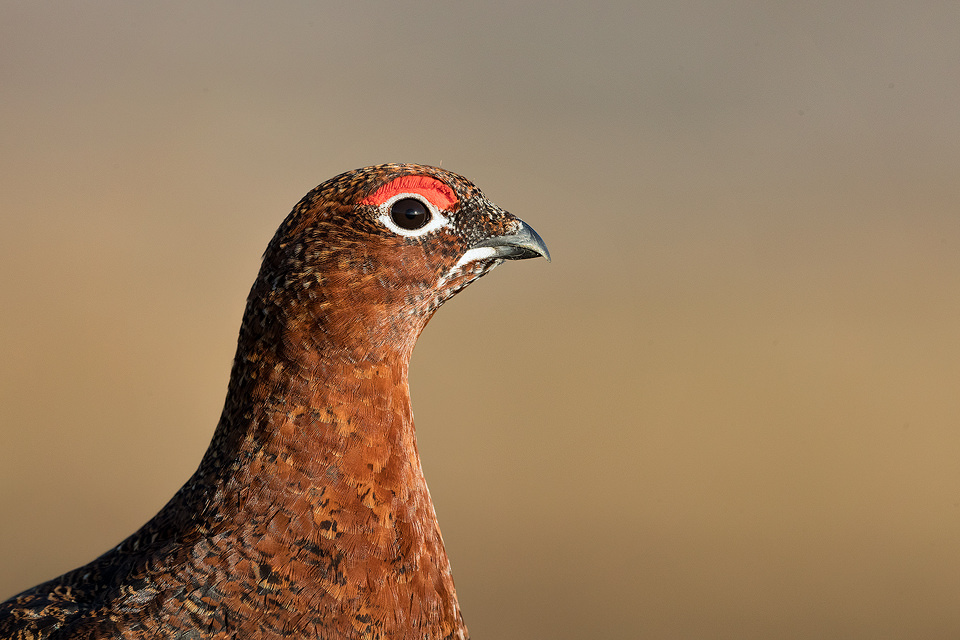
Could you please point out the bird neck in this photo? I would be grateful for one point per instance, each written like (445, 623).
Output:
(315, 461)
(319, 407)
(316, 416)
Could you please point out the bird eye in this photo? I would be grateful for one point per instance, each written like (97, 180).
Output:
(410, 214)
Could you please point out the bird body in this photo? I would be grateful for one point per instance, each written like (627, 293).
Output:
(309, 515)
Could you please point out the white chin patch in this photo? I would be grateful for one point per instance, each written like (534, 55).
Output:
(477, 253)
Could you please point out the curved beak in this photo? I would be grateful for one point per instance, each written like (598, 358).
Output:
(520, 245)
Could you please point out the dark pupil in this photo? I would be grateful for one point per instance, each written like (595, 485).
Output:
(410, 213)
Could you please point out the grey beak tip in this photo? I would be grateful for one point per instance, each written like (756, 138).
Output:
(520, 245)
(538, 241)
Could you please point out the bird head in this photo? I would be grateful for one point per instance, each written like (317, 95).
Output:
(368, 256)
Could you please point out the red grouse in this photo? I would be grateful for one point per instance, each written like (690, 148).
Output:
(309, 516)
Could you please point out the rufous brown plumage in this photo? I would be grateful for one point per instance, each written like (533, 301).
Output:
(309, 516)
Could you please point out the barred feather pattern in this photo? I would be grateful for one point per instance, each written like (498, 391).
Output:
(309, 515)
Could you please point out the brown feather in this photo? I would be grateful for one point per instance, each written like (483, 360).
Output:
(309, 515)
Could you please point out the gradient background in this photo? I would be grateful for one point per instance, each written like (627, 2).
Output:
(728, 409)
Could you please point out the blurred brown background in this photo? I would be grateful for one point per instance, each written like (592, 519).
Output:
(728, 409)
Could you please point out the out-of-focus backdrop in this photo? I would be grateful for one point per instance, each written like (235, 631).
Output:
(730, 407)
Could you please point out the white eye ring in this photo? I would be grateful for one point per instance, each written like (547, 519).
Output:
(437, 219)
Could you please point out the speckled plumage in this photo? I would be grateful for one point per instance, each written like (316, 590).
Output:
(309, 516)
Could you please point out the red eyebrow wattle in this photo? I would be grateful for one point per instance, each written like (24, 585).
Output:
(438, 193)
